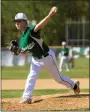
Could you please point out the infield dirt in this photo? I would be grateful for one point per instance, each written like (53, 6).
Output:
(49, 102)
(67, 101)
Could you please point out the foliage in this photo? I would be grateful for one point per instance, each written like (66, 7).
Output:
(54, 31)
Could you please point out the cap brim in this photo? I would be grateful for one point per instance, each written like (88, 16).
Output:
(19, 20)
(13, 20)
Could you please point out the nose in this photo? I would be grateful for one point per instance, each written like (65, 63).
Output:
(17, 24)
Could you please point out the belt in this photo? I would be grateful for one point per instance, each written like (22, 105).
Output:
(42, 56)
(45, 55)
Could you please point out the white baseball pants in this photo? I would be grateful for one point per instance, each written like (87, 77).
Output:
(62, 59)
(50, 63)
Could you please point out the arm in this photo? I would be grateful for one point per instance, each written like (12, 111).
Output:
(43, 22)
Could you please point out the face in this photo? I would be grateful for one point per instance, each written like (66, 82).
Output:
(20, 24)
(64, 46)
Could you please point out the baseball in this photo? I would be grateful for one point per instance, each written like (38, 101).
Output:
(54, 9)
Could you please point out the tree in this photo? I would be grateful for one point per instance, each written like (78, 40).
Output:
(54, 31)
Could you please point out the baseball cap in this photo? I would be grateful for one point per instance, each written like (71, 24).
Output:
(63, 43)
(20, 16)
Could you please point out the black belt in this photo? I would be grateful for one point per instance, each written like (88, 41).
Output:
(43, 56)
(46, 55)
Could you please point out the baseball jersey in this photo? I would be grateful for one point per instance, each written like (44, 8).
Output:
(31, 42)
(64, 51)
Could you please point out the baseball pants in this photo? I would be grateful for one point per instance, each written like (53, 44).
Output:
(50, 63)
(62, 59)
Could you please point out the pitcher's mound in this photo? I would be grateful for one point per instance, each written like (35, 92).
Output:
(50, 102)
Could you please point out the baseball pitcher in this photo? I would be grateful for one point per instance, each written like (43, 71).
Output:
(31, 42)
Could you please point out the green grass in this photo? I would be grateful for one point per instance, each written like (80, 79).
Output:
(21, 73)
(81, 70)
(18, 93)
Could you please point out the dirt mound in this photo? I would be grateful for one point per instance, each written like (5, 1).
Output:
(50, 102)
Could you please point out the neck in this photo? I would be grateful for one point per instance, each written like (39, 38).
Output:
(24, 29)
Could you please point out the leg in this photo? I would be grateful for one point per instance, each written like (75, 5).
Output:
(67, 64)
(50, 63)
(61, 64)
(52, 68)
(31, 79)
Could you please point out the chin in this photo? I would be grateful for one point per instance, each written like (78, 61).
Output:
(18, 28)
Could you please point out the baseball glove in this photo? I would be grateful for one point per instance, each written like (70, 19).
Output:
(14, 47)
(70, 59)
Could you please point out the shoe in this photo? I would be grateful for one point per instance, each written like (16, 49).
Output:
(25, 101)
(76, 88)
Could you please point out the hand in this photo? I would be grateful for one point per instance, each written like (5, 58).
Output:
(14, 47)
(52, 11)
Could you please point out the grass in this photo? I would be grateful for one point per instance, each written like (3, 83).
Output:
(81, 70)
(18, 72)
(18, 93)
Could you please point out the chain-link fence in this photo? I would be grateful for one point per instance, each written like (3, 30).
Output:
(78, 33)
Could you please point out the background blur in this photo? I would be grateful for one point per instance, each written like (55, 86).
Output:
(70, 24)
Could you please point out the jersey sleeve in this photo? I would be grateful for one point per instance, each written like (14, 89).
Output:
(32, 27)
(34, 34)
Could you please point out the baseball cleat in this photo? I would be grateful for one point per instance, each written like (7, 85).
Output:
(25, 101)
(76, 88)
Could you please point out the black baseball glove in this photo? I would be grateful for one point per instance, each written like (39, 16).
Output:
(14, 47)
